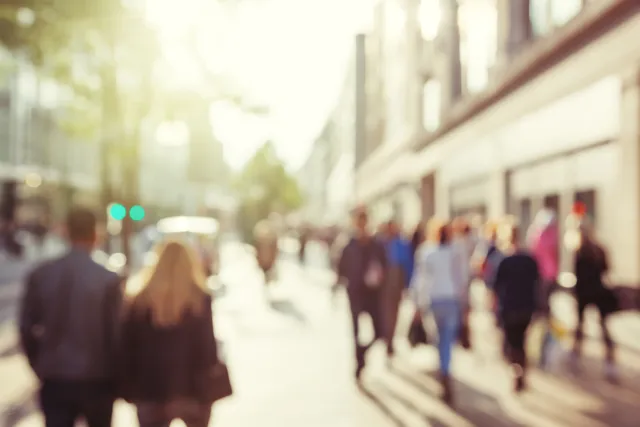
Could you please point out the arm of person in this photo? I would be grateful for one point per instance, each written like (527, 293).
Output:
(29, 319)
(341, 270)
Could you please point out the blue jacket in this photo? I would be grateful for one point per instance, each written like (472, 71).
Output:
(400, 254)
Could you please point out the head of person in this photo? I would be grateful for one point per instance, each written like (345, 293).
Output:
(361, 221)
(438, 232)
(461, 227)
(393, 229)
(174, 286)
(82, 227)
(491, 231)
(508, 236)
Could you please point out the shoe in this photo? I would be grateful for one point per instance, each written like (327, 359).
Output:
(519, 379)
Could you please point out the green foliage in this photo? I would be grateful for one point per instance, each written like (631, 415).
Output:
(265, 187)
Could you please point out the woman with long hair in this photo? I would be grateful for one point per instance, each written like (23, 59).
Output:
(591, 265)
(169, 347)
(439, 289)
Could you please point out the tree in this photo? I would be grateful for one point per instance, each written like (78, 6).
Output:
(265, 187)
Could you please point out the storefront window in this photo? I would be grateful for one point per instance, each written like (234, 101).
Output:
(431, 96)
(430, 16)
(478, 23)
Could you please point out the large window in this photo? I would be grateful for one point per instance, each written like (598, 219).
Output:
(546, 15)
(431, 98)
(478, 21)
(430, 16)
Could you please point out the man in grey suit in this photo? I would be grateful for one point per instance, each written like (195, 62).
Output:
(68, 329)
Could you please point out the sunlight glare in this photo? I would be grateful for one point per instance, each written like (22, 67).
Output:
(174, 18)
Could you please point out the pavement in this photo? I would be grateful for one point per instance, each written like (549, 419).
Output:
(289, 351)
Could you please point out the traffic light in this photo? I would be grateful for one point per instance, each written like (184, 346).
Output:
(117, 211)
(136, 213)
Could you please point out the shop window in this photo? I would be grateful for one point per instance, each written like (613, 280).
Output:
(588, 199)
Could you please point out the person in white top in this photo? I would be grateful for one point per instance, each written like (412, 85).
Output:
(438, 286)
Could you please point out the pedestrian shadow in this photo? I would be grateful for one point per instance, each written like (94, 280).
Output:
(613, 404)
(476, 407)
(381, 405)
(288, 308)
(17, 411)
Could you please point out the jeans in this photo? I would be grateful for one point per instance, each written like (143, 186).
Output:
(64, 402)
(447, 314)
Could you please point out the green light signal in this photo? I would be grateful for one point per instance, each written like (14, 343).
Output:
(117, 211)
(136, 213)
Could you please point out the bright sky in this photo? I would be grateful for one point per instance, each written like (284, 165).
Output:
(290, 55)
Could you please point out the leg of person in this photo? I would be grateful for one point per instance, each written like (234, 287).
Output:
(447, 315)
(354, 303)
(374, 306)
(516, 326)
(579, 334)
(58, 404)
(199, 417)
(152, 415)
(97, 405)
(391, 302)
(611, 372)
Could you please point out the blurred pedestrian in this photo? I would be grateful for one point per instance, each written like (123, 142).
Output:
(418, 237)
(516, 288)
(464, 242)
(400, 270)
(169, 347)
(68, 329)
(591, 265)
(363, 266)
(438, 288)
(266, 241)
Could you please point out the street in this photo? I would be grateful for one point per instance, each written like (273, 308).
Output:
(290, 356)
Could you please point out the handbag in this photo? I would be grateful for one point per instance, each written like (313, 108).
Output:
(417, 333)
(220, 382)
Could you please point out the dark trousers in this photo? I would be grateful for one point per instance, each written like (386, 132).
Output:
(193, 414)
(391, 299)
(366, 301)
(515, 325)
(600, 302)
(64, 402)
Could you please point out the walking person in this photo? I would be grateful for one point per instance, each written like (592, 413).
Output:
(516, 289)
(464, 242)
(363, 267)
(591, 265)
(69, 328)
(400, 270)
(438, 288)
(266, 244)
(169, 347)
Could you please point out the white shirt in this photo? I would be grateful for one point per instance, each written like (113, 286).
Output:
(437, 275)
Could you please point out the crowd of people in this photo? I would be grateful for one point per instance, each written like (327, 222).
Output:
(436, 266)
(91, 339)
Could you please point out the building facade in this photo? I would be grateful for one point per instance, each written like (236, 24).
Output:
(394, 99)
(556, 122)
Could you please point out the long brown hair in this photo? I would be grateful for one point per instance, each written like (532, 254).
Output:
(174, 286)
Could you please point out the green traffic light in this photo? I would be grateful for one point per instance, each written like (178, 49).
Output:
(136, 213)
(117, 211)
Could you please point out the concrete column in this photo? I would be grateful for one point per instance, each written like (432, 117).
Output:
(498, 198)
(627, 243)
